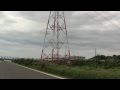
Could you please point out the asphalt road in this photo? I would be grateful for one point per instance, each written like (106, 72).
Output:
(9, 70)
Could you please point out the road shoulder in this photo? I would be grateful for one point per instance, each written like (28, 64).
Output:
(39, 71)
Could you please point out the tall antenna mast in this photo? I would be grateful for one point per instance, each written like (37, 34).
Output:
(56, 45)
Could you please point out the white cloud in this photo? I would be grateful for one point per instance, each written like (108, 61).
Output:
(13, 21)
(22, 32)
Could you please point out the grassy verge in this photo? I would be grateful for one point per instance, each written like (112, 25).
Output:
(75, 72)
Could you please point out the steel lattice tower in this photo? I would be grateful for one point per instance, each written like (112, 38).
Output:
(56, 45)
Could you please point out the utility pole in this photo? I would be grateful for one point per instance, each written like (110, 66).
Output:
(96, 57)
(95, 52)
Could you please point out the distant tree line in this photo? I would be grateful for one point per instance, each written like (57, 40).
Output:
(25, 61)
(103, 57)
(97, 61)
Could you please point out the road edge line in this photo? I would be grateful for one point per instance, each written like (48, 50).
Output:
(40, 71)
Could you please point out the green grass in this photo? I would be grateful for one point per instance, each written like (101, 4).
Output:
(77, 72)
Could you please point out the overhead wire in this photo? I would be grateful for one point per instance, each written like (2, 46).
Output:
(98, 21)
(116, 26)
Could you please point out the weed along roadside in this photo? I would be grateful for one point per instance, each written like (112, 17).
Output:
(77, 70)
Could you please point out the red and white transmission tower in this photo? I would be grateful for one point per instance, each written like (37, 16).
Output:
(56, 45)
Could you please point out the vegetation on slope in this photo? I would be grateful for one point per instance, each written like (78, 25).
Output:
(100, 68)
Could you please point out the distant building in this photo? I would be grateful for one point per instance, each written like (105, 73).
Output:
(77, 58)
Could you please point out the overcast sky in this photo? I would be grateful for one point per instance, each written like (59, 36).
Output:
(22, 32)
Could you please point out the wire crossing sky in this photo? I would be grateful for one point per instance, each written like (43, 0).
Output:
(22, 32)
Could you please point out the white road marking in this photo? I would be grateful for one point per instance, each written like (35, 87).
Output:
(40, 71)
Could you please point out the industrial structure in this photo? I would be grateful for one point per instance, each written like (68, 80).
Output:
(56, 46)
(77, 58)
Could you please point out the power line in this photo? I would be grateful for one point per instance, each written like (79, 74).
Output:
(98, 21)
(117, 27)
